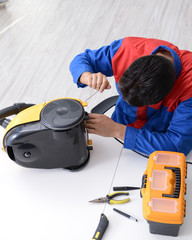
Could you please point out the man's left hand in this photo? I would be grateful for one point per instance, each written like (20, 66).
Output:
(104, 126)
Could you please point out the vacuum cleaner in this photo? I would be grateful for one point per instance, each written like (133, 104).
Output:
(47, 135)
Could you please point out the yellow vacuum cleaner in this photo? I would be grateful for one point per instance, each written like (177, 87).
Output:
(47, 135)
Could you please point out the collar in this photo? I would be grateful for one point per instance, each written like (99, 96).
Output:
(177, 61)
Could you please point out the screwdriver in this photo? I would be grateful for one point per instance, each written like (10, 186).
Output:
(125, 214)
(94, 93)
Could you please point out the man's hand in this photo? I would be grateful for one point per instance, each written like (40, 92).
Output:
(95, 80)
(102, 125)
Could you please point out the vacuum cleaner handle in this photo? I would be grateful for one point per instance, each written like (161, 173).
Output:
(105, 105)
(14, 109)
(9, 111)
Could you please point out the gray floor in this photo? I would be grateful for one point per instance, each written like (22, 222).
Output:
(38, 40)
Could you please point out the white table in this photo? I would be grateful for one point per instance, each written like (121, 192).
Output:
(54, 204)
(130, 170)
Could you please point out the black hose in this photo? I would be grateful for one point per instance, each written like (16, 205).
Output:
(16, 108)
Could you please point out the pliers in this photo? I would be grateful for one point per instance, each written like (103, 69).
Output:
(109, 198)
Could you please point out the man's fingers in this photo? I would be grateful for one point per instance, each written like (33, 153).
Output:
(94, 81)
(98, 81)
(108, 86)
(89, 81)
(91, 131)
(104, 84)
(93, 115)
(93, 122)
(89, 126)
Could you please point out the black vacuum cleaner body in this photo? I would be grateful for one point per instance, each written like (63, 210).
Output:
(47, 135)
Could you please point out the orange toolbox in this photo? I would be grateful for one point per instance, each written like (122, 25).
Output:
(163, 191)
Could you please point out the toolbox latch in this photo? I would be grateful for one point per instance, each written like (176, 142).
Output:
(144, 183)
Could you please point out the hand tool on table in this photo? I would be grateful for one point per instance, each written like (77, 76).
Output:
(102, 226)
(125, 188)
(110, 198)
(125, 214)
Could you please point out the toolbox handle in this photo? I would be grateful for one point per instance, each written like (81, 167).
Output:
(177, 183)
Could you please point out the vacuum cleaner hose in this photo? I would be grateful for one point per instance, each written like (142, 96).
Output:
(14, 109)
(8, 111)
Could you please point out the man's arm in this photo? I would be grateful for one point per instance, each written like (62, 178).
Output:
(94, 61)
(178, 136)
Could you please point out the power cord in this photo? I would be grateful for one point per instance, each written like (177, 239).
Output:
(189, 162)
(143, 155)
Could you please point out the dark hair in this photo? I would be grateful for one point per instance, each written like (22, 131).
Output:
(148, 80)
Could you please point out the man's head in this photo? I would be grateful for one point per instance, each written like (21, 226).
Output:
(148, 80)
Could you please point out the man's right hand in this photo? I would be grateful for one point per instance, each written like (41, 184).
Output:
(95, 81)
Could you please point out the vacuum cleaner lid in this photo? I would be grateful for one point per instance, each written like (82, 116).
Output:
(62, 114)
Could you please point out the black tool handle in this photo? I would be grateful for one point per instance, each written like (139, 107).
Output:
(125, 188)
(103, 223)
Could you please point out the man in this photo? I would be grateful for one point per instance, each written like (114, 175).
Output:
(154, 81)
